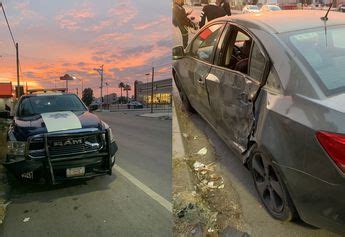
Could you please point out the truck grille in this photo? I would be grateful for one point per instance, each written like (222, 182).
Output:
(65, 145)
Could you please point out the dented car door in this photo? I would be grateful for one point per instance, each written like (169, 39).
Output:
(232, 88)
(202, 52)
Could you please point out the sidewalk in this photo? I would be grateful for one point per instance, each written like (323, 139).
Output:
(166, 115)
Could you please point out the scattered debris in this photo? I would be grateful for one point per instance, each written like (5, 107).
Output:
(185, 135)
(202, 151)
(198, 166)
(26, 219)
(184, 210)
(195, 137)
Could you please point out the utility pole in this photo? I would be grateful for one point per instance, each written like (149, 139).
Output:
(153, 75)
(18, 83)
(102, 83)
(18, 90)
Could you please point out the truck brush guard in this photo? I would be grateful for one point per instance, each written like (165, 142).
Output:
(74, 147)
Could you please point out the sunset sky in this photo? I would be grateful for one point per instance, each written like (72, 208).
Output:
(58, 37)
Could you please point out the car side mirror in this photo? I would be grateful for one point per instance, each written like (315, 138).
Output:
(178, 52)
(6, 114)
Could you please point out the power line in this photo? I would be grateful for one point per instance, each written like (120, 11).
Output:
(8, 25)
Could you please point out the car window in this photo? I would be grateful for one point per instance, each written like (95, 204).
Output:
(273, 83)
(236, 52)
(323, 53)
(205, 43)
(257, 64)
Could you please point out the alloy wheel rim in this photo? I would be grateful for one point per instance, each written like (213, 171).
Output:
(267, 183)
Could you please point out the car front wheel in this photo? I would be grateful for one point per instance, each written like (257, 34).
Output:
(271, 188)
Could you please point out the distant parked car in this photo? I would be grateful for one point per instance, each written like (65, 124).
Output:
(341, 7)
(135, 105)
(250, 9)
(270, 8)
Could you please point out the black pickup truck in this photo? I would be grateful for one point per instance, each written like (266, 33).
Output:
(53, 137)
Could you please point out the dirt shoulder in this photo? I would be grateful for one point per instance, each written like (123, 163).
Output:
(210, 205)
(3, 178)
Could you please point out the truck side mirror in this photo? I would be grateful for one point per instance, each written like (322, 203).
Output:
(178, 52)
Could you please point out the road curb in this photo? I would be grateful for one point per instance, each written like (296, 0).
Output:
(179, 155)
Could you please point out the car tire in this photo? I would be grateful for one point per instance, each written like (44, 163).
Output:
(271, 188)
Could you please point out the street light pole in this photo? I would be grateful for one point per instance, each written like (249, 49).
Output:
(18, 83)
(153, 75)
(100, 72)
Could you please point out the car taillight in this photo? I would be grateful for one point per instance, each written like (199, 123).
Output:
(334, 144)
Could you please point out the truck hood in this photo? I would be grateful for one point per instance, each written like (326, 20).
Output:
(22, 128)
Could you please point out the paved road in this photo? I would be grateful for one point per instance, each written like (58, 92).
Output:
(259, 222)
(132, 202)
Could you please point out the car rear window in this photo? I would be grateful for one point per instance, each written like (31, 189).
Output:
(323, 52)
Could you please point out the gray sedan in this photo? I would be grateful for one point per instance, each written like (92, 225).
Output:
(273, 87)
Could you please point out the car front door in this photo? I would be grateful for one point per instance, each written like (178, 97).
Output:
(200, 58)
(233, 83)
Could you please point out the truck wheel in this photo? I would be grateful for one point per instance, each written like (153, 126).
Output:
(271, 188)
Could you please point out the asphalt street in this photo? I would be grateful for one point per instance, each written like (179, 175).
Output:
(134, 201)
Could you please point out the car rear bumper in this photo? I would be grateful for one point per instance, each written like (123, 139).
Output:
(54, 170)
(318, 202)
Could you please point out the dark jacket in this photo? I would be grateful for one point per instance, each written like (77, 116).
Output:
(211, 12)
(180, 18)
(226, 6)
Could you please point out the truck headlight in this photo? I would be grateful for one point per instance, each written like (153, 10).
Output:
(16, 148)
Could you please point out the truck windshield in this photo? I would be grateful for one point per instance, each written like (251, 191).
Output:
(36, 105)
(323, 53)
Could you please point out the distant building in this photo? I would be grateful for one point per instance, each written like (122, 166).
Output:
(6, 95)
(110, 99)
(161, 91)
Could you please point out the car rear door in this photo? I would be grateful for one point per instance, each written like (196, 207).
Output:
(199, 59)
(240, 69)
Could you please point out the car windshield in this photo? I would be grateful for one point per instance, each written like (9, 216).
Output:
(253, 7)
(323, 52)
(36, 105)
(274, 8)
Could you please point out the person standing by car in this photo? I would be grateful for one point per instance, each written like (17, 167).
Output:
(181, 20)
(226, 6)
(211, 12)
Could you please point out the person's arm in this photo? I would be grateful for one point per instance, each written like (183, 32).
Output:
(227, 8)
(203, 18)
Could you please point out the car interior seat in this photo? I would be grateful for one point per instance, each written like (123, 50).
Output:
(242, 65)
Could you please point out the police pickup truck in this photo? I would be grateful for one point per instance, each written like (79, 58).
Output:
(53, 137)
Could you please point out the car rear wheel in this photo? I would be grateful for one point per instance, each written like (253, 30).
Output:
(270, 188)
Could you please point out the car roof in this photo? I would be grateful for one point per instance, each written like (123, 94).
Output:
(47, 94)
(288, 20)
